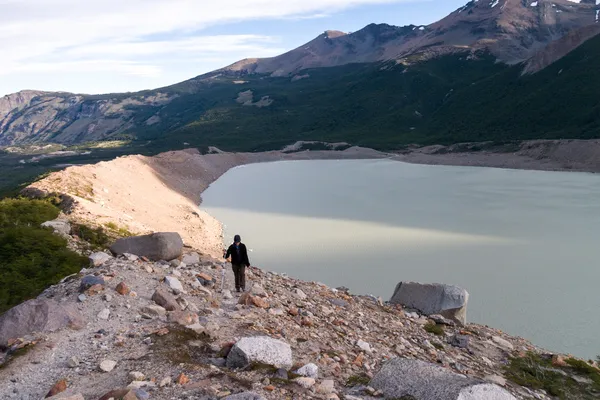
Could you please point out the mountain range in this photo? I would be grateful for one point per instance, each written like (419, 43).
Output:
(491, 70)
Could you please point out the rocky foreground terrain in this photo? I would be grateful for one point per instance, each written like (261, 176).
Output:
(131, 328)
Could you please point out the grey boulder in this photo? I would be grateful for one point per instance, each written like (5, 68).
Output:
(38, 315)
(433, 298)
(157, 246)
(424, 381)
(245, 396)
(261, 350)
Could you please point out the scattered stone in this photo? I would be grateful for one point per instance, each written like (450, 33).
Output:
(339, 303)
(148, 269)
(165, 299)
(130, 257)
(293, 311)
(98, 259)
(498, 380)
(281, 373)
(154, 310)
(326, 387)
(155, 247)
(249, 300)
(364, 346)
(107, 365)
(90, 280)
(309, 370)
(227, 294)
(165, 382)
(104, 314)
(245, 396)
(123, 289)
(58, 387)
(73, 362)
(182, 379)
(94, 290)
(107, 297)
(136, 376)
(191, 258)
(81, 298)
(424, 381)
(305, 382)
(502, 343)
(37, 315)
(260, 349)
(440, 320)
(461, 341)
(559, 360)
(300, 294)
(174, 283)
(184, 318)
(258, 290)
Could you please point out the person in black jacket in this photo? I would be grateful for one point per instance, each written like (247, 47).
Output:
(239, 262)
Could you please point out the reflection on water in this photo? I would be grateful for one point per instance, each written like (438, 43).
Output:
(523, 243)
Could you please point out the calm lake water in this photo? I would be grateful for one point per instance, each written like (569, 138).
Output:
(525, 244)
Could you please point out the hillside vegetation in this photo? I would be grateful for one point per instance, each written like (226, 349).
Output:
(31, 257)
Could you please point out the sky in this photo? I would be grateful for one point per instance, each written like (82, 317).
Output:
(104, 46)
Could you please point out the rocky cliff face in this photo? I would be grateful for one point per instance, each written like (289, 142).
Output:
(33, 116)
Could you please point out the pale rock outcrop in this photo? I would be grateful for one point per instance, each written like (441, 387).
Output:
(98, 259)
(424, 381)
(433, 298)
(157, 246)
(60, 226)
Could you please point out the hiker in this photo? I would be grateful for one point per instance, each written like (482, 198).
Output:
(239, 262)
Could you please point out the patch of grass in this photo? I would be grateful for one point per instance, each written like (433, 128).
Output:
(537, 372)
(434, 328)
(437, 345)
(356, 380)
(117, 230)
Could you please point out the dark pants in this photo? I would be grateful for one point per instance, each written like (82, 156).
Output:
(240, 276)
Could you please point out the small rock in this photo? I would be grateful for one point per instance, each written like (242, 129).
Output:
(98, 259)
(281, 373)
(182, 379)
(107, 297)
(227, 294)
(498, 380)
(58, 387)
(123, 289)
(300, 294)
(326, 387)
(81, 298)
(154, 310)
(461, 341)
(73, 362)
(364, 346)
(559, 361)
(148, 269)
(89, 281)
(191, 258)
(136, 376)
(174, 283)
(505, 344)
(107, 365)
(183, 318)
(165, 299)
(260, 349)
(305, 382)
(165, 382)
(104, 314)
(130, 257)
(309, 371)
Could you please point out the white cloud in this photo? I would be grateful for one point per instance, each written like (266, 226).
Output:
(137, 37)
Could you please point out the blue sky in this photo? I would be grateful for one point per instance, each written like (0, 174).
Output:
(101, 46)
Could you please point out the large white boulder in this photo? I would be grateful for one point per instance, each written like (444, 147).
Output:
(262, 350)
(424, 381)
(60, 226)
(433, 298)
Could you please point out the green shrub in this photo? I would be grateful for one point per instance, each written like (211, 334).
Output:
(23, 212)
(96, 237)
(31, 257)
